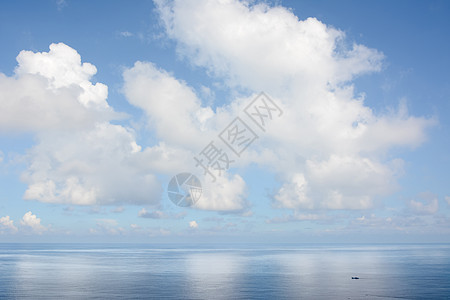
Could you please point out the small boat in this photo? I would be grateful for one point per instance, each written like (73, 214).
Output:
(355, 277)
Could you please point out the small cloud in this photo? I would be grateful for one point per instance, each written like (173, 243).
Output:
(108, 226)
(34, 223)
(118, 209)
(60, 4)
(107, 222)
(126, 34)
(95, 210)
(159, 232)
(157, 214)
(193, 224)
(361, 218)
(143, 213)
(247, 213)
(427, 204)
(135, 226)
(7, 225)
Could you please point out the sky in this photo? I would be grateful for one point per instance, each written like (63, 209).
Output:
(339, 112)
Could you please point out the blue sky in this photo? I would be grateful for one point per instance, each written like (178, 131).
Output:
(361, 152)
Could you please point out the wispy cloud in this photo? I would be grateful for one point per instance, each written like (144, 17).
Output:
(60, 4)
(126, 34)
(157, 214)
(296, 218)
(425, 203)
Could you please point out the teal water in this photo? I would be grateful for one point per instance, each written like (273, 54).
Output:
(125, 271)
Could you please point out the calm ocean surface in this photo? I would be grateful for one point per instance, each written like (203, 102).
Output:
(117, 271)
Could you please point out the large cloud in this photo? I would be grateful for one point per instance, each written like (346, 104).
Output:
(329, 147)
(90, 167)
(261, 47)
(80, 157)
(184, 127)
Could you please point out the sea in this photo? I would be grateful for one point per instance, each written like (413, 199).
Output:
(234, 271)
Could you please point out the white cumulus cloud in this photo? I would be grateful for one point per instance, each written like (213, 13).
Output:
(328, 147)
(34, 223)
(184, 127)
(193, 224)
(79, 156)
(262, 47)
(227, 193)
(7, 225)
(90, 168)
(52, 91)
(172, 107)
(62, 67)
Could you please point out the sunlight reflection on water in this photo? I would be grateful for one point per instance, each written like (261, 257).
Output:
(314, 271)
